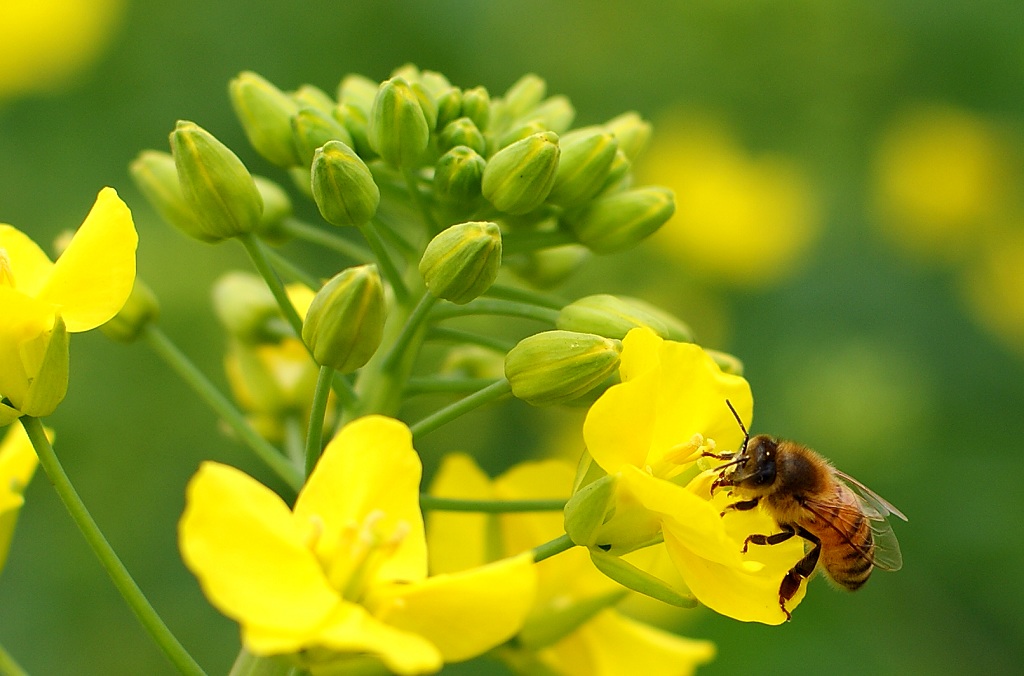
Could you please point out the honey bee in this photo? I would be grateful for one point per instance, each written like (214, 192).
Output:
(842, 520)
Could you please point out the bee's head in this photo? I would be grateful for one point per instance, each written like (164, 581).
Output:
(756, 469)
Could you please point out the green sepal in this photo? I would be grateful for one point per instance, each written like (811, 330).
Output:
(265, 113)
(588, 509)
(640, 581)
(49, 386)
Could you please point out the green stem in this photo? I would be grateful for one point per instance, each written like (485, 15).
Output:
(460, 336)
(409, 330)
(292, 270)
(315, 235)
(188, 372)
(392, 235)
(497, 306)
(247, 664)
(495, 390)
(432, 384)
(387, 266)
(314, 438)
(439, 504)
(259, 259)
(294, 446)
(525, 295)
(8, 666)
(414, 191)
(526, 242)
(122, 579)
(560, 544)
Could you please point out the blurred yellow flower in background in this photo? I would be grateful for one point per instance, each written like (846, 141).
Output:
(994, 288)
(47, 42)
(17, 465)
(740, 219)
(941, 177)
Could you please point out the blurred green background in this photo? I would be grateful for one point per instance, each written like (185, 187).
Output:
(856, 168)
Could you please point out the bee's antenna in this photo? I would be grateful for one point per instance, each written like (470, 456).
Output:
(739, 421)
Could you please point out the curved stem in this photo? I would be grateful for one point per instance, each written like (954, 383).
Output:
(259, 259)
(433, 384)
(460, 336)
(314, 438)
(387, 266)
(292, 270)
(8, 666)
(188, 372)
(560, 544)
(525, 295)
(497, 306)
(315, 235)
(439, 504)
(495, 390)
(122, 579)
(412, 325)
(414, 191)
(532, 241)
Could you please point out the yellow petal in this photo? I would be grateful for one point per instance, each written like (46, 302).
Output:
(463, 614)
(91, 280)
(370, 466)
(458, 540)
(643, 353)
(17, 465)
(30, 267)
(612, 644)
(240, 539)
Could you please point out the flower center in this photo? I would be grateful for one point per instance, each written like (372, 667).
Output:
(6, 272)
(360, 551)
(681, 457)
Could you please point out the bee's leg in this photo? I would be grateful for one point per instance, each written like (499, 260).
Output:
(728, 455)
(742, 506)
(800, 572)
(774, 539)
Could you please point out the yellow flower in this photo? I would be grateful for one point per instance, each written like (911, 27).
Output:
(647, 432)
(732, 207)
(572, 628)
(46, 42)
(344, 574)
(17, 465)
(42, 301)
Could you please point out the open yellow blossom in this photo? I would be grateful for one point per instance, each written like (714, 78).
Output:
(344, 574)
(572, 628)
(647, 433)
(17, 465)
(42, 301)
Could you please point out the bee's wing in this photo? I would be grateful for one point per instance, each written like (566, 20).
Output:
(886, 554)
(879, 506)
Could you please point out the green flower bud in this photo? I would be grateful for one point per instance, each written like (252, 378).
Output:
(632, 133)
(517, 133)
(621, 220)
(354, 120)
(588, 509)
(358, 91)
(49, 385)
(473, 361)
(156, 177)
(631, 577)
(139, 311)
(549, 267)
(277, 206)
(265, 113)
(215, 183)
(427, 103)
(343, 187)
(345, 322)
(449, 107)
(614, 317)
(519, 177)
(312, 129)
(435, 83)
(458, 175)
(409, 72)
(558, 366)
(727, 362)
(462, 261)
(247, 309)
(556, 113)
(461, 132)
(397, 127)
(583, 168)
(308, 96)
(476, 105)
(520, 99)
(618, 177)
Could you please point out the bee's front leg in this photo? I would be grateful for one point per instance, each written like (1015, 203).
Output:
(800, 572)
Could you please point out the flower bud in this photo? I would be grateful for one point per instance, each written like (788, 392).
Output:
(345, 322)
(516, 133)
(462, 261)
(618, 177)
(277, 206)
(354, 120)
(631, 131)
(312, 129)
(549, 267)
(520, 99)
(473, 361)
(519, 177)
(583, 168)
(265, 113)
(343, 187)
(476, 105)
(138, 312)
(427, 104)
(247, 309)
(358, 91)
(614, 317)
(449, 107)
(215, 183)
(458, 175)
(588, 508)
(156, 177)
(397, 127)
(308, 96)
(555, 367)
(461, 132)
(556, 113)
(434, 83)
(621, 220)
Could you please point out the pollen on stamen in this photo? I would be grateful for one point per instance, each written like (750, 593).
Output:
(690, 450)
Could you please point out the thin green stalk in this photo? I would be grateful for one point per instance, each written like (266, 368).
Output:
(314, 438)
(560, 544)
(294, 446)
(495, 390)
(460, 336)
(187, 371)
(122, 579)
(409, 330)
(292, 270)
(259, 259)
(414, 191)
(8, 667)
(525, 295)
(392, 235)
(315, 235)
(432, 384)
(525, 242)
(439, 504)
(387, 266)
(497, 306)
